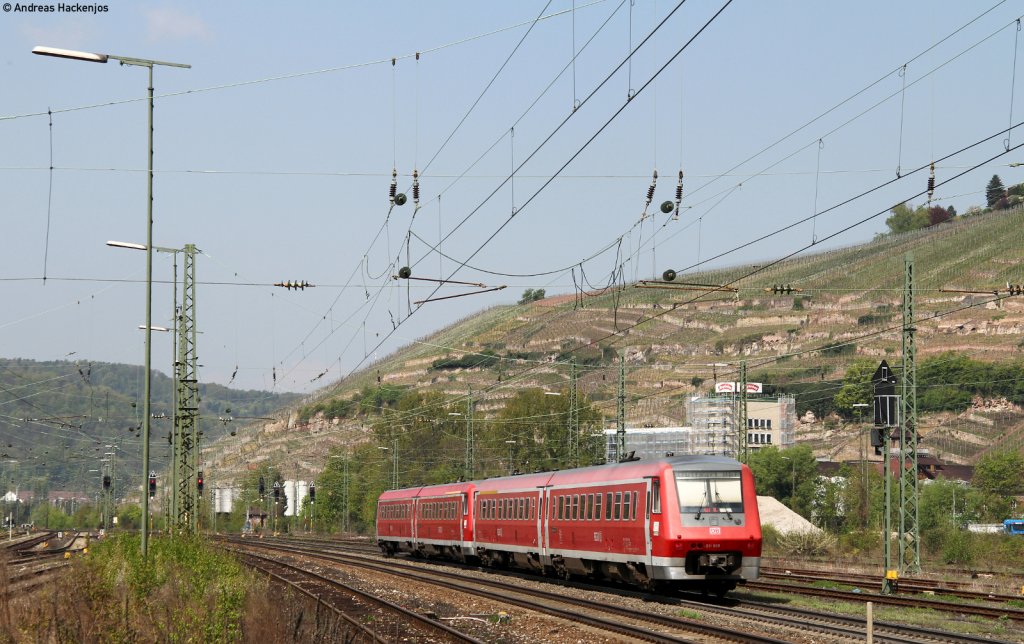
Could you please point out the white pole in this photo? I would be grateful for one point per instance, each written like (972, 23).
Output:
(871, 623)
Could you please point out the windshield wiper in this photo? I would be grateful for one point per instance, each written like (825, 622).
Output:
(700, 508)
(718, 500)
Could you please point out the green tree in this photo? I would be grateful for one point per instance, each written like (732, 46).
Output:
(1000, 473)
(857, 388)
(788, 475)
(538, 425)
(531, 295)
(905, 218)
(994, 191)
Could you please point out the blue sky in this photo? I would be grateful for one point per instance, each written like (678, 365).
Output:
(274, 155)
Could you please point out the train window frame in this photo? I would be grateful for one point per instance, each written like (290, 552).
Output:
(609, 499)
(561, 507)
(575, 507)
(617, 512)
(597, 506)
(635, 501)
(590, 507)
(655, 496)
(627, 507)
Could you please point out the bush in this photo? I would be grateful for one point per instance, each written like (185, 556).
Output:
(861, 542)
(957, 548)
(806, 544)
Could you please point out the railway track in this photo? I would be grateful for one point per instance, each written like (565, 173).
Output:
(964, 590)
(751, 616)
(994, 612)
(649, 628)
(352, 605)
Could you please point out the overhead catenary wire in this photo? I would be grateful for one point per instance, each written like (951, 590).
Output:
(315, 72)
(592, 137)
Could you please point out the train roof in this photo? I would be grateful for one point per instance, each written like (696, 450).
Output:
(625, 470)
(428, 490)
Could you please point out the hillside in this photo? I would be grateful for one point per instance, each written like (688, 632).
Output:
(676, 343)
(59, 416)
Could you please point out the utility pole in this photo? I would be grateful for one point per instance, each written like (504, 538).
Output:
(887, 410)
(910, 544)
(172, 513)
(470, 447)
(344, 497)
(574, 417)
(394, 465)
(621, 433)
(188, 396)
(741, 416)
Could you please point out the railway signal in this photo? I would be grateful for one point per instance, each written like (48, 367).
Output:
(106, 481)
(277, 491)
(152, 484)
(262, 487)
(312, 492)
(199, 483)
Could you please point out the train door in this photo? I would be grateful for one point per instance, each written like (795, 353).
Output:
(542, 522)
(414, 520)
(652, 518)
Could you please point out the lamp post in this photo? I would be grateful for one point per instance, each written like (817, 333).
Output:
(173, 510)
(148, 64)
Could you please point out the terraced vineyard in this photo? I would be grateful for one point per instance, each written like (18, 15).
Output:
(670, 339)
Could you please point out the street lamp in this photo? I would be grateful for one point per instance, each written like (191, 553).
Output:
(148, 64)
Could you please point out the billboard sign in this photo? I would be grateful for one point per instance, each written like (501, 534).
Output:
(734, 387)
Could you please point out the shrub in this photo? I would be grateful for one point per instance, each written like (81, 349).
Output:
(957, 548)
(806, 544)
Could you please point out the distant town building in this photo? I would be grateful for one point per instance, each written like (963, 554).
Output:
(771, 422)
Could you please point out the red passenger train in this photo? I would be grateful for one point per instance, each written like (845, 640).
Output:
(686, 521)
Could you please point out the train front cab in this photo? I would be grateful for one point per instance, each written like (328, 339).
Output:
(705, 527)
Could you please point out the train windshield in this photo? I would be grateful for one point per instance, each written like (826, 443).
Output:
(714, 492)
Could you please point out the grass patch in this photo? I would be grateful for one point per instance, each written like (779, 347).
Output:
(185, 591)
(690, 614)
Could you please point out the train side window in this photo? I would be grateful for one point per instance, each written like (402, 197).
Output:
(561, 507)
(533, 508)
(575, 506)
(617, 513)
(626, 507)
(608, 507)
(597, 506)
(633, 515)
(656, 496)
